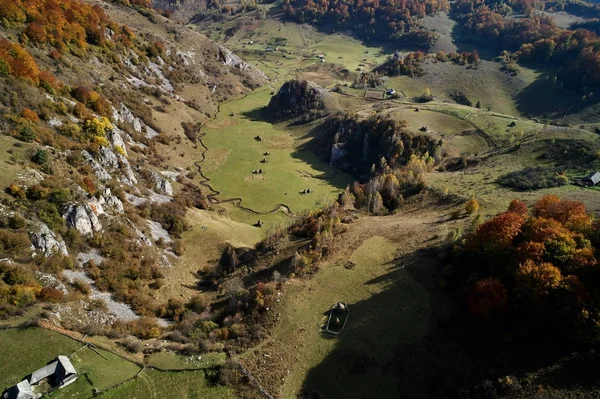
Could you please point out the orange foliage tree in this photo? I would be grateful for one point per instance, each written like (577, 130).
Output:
(540, 272)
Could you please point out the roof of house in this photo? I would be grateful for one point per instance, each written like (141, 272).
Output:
(42, 373)
(61, 368)
(594, 177)
(22, 390)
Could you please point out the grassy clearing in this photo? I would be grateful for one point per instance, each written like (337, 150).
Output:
(152, 384)
(24, 350)
(234, 154)
(203, 242)
(13, 153)
(173, 361)
(96, 372)
(390, 310)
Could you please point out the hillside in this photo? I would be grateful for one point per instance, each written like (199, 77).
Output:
(188, 189)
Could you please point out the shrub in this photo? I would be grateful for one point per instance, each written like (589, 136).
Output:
(49, 294)
(472, 206)
(82, 286)
(40, 157)
(534, 178)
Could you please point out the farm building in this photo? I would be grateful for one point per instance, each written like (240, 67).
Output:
(22, 390)
(592, 179)
(59, 373)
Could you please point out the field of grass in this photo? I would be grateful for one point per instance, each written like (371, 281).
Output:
(234, 154)
(173, 361)
(96, 372)
(152, 384)
(391, 311)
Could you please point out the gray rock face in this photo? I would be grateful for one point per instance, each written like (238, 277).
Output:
(115, 137)
(45, 241)
(108, 159)
(107, 203)
(83, 219)
(161, 185)
(124, 115)
(230, 59)
(48, 280)
(337, 154)
(98, 170)
(128, 175)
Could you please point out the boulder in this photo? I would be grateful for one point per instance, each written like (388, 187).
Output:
(45, 241)
(161, 185)
(83, 219)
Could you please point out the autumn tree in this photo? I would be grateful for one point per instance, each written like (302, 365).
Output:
(487, 298)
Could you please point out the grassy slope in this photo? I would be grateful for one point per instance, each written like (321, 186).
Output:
(391, 308)
(172, 361)
(96, 372)
(152, 384)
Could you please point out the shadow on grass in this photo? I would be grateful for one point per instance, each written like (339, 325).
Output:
(412, 341)
(313, 151)
(542, 98)
(396, 344)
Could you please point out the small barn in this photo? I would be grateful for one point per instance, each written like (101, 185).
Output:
(592, 179)
(22, 390)
(59, 374)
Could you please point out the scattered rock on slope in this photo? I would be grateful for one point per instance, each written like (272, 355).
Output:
(161, 185)
(45, 241)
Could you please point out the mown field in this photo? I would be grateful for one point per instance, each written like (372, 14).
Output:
(234, 153)
(24, 350)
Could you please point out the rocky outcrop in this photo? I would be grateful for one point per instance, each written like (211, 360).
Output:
(107, 203)
(83, 218)
(297, 97)
(228, 58)
(124, 115)
(44, 240)
(98, 170)
(161, 185)
(48, 280)
(115, 137)
(338, 153)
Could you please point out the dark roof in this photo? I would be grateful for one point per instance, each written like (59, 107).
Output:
(594, 177)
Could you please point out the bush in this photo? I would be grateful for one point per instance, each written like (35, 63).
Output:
(49, 294)
(534, 178)
(40, 157)
(82, 286)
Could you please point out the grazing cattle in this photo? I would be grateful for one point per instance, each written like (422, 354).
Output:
(264, 160)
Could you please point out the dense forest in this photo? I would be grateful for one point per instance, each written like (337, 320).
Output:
(527, 276)
(388, 19)
(535, 39)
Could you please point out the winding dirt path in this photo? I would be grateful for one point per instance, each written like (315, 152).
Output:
(214, 194)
